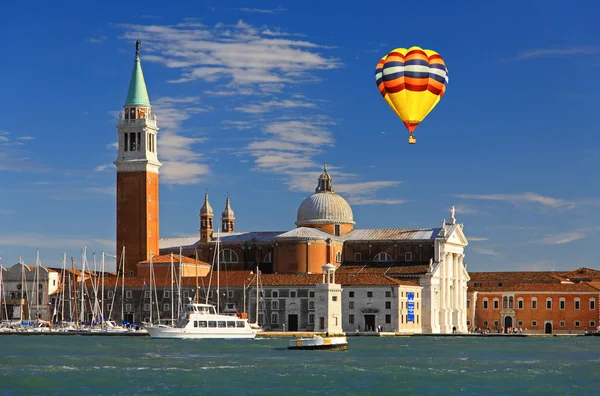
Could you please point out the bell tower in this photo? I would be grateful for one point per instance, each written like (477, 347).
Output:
(137, 174)
(206, 221)
(228, 218)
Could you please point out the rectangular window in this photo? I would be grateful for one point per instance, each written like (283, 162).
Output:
(311, 305)
(477, 284)
(275, 294)
(369, 294)
(350, 319)
(520, 323)
(485, 304)
(203, 323)
(577, 304)
(139, 140)
(166, 294)
(166, 307)
(408, 256)
(186, 294)
(128, 294)
(520, 304)
(388, 318)
(146, 307)
(592, 304)
(128, 307)
(311, 318)
(146, 294)
(548, 304)
(561, 304)
(132, 146)
(388, 294)
(592, 324)
(485, 322)
(577, 323)
(496, 323)
(351, 294)
(274, 318)
(533, 304)
(357, 257)
(468, 323)
(229, 293)
(496, 304)
(126, 142)
(351, 305)
(333, 298)
(534, 323)
(109, 294)
(468, 304)
(562, 323)
(388, 305)
(292, 294)
(274, 305)
(337, 230)
(311, 294)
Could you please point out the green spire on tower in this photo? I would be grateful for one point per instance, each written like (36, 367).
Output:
(137, 95)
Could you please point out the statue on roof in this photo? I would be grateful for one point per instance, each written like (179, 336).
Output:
(452, 213)
(138, 43)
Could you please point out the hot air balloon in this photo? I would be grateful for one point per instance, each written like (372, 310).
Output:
(412, 81)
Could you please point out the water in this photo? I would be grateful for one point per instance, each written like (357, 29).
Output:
(371, 366)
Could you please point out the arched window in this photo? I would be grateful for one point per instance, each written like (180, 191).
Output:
(533, 302)
(496, 303)
(504, 302)
(485, 303)
(338, 257)
(577, 303)
(592, 303)
(268, 258)
(382, 257)
(511, 302)
(228, 256)
(562, 302)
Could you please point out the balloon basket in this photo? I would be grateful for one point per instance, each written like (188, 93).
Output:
(412, 140)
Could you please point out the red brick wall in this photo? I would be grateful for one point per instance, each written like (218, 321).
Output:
(137, 217)
(540, 315)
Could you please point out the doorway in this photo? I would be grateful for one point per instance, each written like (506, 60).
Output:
(322, 322)
(369, 322)
(508, 322)
(548, 328)
(128, 317)
(292, 323)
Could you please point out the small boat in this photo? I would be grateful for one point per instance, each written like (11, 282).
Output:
(318, 342)
(201, 321)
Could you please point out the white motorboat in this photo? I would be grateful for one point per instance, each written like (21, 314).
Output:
(318, 342)
(199, 321)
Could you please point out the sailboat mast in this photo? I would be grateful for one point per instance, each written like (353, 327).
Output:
(257, 301)
(102, 295)
(179, 284)
(196, 265)
(123, 285)
(218, 256)
(82, 285)
(74, 290)
(37, 284)
(172, 280)
(151, 273)
(62, 280)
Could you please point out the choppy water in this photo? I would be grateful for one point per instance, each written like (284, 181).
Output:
(371, 366)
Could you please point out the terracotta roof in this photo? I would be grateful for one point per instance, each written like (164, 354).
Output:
(581, 274)
(538, 287)
(388, 269)
(245, 278)
(306, 233)
(166, 258)
(594, 284)
(522, 276)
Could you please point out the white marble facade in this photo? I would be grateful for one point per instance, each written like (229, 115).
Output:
(445, 284)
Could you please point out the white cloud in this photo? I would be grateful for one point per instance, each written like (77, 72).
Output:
(26, 138)
(102, 168)
(273, 105)
(35, 240)
(367, 201)
(262, 11)
(562, 238)
(214, 54)
(97, 40)
(477, 239)
(464, 209)
(517, 199)
(542, 53)
(486, 251)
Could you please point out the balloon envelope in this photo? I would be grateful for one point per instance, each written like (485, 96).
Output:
(412, 81)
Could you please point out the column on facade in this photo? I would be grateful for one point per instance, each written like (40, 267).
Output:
(442, 292)
(462, 313)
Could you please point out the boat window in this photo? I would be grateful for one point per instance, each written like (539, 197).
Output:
(212, 323)
(239, 323)
(195, 323)
(221, 323)
(203, 323)
(230, 324)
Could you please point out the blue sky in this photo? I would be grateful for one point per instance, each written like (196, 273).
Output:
(253, 98)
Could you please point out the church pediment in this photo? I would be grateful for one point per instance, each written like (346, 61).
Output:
(456, 236)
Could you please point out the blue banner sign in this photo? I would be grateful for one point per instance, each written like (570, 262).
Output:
(411, 307)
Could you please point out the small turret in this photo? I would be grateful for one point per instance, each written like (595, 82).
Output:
(228, 218)
(206, 220)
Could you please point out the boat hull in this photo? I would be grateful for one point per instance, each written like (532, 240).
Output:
(180, 333)
(319, 343)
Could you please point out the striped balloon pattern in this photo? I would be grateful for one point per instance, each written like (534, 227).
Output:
(412, 82)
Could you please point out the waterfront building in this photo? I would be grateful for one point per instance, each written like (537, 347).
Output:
(537, 302)
(429, 258)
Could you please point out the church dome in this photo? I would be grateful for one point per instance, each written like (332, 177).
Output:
(324, 206)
